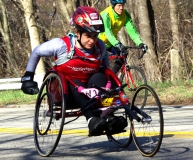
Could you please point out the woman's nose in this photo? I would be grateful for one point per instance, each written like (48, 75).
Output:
(92, 40)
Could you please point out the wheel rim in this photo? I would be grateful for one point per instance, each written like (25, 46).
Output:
(148, 134)
(49, 119)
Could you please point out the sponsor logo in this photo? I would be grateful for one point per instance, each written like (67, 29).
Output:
(82, 69)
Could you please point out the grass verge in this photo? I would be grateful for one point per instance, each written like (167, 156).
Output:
(179, 92)
(175, 93)
(15, 97)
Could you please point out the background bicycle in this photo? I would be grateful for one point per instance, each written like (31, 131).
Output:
(131, 71)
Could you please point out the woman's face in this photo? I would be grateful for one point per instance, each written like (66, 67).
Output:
(87, 39)
(119, 8)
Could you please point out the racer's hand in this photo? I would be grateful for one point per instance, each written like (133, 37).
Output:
(28, 85)
(143, 47)
(119, 47)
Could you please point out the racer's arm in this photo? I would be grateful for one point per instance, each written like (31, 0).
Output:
(54, 47)
(105, 58)
(108, 31)
(131, 30)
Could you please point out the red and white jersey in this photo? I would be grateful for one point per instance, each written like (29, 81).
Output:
(83, 64)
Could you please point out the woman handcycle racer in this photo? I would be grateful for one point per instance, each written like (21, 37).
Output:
(80, 55)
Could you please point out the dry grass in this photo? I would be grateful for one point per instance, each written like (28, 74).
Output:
(176, 93)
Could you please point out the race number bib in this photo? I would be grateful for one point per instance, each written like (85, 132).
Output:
(90, 92)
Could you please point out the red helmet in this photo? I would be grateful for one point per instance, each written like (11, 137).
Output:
(87, 19)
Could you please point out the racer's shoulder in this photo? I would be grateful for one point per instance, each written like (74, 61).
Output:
(53, 44)
(58, 41)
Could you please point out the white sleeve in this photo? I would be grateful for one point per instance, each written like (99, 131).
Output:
(54, 47)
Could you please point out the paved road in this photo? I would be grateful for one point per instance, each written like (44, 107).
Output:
(16, 138)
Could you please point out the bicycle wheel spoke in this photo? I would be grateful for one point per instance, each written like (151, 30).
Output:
(122, 139)
(49, 119)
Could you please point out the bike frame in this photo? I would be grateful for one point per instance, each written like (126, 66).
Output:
(124, 102)
(124, 69)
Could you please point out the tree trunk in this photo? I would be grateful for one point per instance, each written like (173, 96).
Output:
(131, 8)
(175, 59)
(33, 31)
(67, 8)
(153, 73)
(4, 30)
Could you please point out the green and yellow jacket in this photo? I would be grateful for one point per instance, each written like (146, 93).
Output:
(113, 24)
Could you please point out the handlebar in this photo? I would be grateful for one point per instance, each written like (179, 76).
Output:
(133, 47)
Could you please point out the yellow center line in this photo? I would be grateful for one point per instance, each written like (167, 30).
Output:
(16, 130)
(177, 134)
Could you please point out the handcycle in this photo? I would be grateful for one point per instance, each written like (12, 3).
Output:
(53, 111)
(130, 74)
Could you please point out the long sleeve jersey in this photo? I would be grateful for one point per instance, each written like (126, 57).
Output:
(56, 48)
(113, 24)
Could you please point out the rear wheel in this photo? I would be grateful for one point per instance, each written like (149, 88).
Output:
(124, 138)
(49, 115)
(148, 133)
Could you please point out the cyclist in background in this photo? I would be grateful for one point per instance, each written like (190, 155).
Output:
(114, 18)
(82, 64)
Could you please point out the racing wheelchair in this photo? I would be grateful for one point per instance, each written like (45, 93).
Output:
(53, 111)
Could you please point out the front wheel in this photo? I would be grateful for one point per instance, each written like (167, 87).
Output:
(49, 115)
(148, 133)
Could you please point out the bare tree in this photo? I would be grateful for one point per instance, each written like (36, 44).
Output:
(67, 8)
(151, 62)
(175, 59)
(33, 30)
(4, 30)
(131, 7)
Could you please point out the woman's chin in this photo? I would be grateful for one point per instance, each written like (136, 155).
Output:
(89, 47)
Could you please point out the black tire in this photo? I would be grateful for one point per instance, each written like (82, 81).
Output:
(49, 117)
(44, 130)
(134, 77)
(122, 139)
(147, 134)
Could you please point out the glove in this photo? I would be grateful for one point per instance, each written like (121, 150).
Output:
(119, 47)
(143, 47)
(28, 85)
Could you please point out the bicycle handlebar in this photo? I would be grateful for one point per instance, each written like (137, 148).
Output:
(133, 47)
